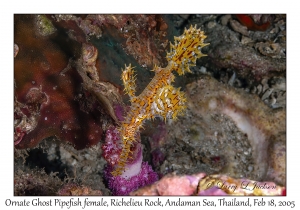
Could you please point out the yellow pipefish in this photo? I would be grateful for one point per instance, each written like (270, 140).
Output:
(159, 98)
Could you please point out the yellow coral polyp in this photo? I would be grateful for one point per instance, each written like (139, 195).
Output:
(159, 98)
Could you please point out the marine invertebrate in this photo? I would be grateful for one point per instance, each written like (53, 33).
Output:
(271, 49)
(138, 173)
(44, 25)
(251, 24)
(159, 98)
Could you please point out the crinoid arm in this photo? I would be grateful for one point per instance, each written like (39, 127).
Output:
(186, 50)
(129, 78)
(169, 102)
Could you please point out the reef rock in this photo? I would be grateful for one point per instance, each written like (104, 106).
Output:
(229, 131)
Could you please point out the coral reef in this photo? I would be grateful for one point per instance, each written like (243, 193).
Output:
(244, 133)
(72, 189)
(44, 93)
(35, 183)
(145, 36)
(66, 169)
(38, 183)
(71, 111)
(231, 46)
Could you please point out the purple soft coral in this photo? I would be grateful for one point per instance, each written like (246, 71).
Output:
(137, 173)
(123, 186)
